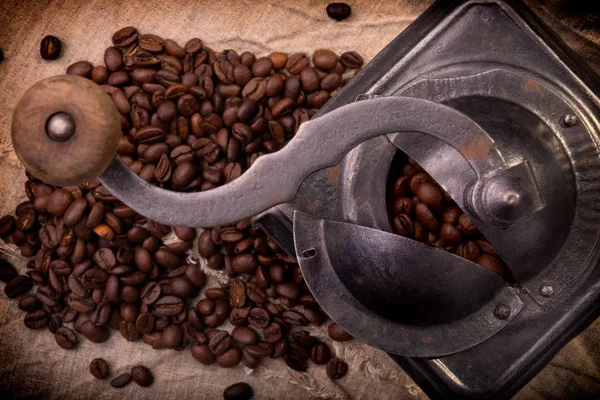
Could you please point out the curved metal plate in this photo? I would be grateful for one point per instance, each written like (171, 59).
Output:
(320, 143)
(329, 276)
(559, 247)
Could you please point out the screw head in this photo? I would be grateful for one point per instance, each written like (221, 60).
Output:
(502, 311)
(60, 127)
(546, 291)
(569, 120)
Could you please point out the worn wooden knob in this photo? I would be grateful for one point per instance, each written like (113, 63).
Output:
(65, 130)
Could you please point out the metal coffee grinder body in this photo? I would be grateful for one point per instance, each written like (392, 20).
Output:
(498, 65)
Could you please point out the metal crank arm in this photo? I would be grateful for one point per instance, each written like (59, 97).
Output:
(320, 143)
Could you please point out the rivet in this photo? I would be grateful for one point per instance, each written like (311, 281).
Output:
(569, 120)
(546, 291)
(502, 311)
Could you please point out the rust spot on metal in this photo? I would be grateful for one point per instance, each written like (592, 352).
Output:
(532, 86)
(476, 149)
(334, 175)
(427, 340)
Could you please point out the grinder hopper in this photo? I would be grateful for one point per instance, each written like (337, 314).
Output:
(492, 106)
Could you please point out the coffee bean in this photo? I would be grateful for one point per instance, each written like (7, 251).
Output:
(93, 333)
(125, 36)
(7, 271)
(66, 338)
(230, 358)
(259, 317)
(258, 351)
(239, 316)
(121, 381)
(338, 11)
(338, 333)
(351, 59)
(237, 293)
(168, 306)
(492, 263)
(219, 342)
(80, 68)
(427, 218)
(295, 363)
(36, 319)
(294, 318)
(244, 335)
(142, 376)
(244, 263)
(50, 47)
(18, 286)
(274, 332)
(320, 354)
(324, 59)
(29, 303)
(99, 368)
(202, 354)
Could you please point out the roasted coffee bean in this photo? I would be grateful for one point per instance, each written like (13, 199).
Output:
(7, 224)
(338, 11)
(274, 332)
(320, 354)
(295, 363)
(294, 318)
(50, 47)
(239, 316)
(66, 338)
(336, 369)
(125, 36)
(142, 376)
(338, 333)
(304, 338)
(244, 335)
(351, 59)
(249, 360)
(36, 319)
(324, 59)
(168, 306)
(430, 194)
(280, 348)
(129, 331)
(219, 342)
(99, 368)
(80, 68)
(145, 323)
(229, 358)
(54, 323)
(202, 354)
(427, 218)
(262, 67)
(101, 314)
(259, 318)
(29, 303)
(93, 333)
(237, 293)
(18, 286)
(7, 272)
(172, 336)
(121, 381)
(491, 263)
(260, 350)
(467, 226)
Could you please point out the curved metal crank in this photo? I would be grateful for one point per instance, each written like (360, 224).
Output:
(497, 194)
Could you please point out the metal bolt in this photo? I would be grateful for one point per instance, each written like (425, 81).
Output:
(569, 120)
(502, 311)
(60, 127)
(547, 291)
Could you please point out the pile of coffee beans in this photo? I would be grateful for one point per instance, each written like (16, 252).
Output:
(421, 210)
(192, 120)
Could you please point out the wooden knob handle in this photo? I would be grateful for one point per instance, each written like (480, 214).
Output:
(65, 130)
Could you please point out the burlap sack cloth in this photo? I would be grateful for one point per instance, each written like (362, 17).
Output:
(32, 365)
